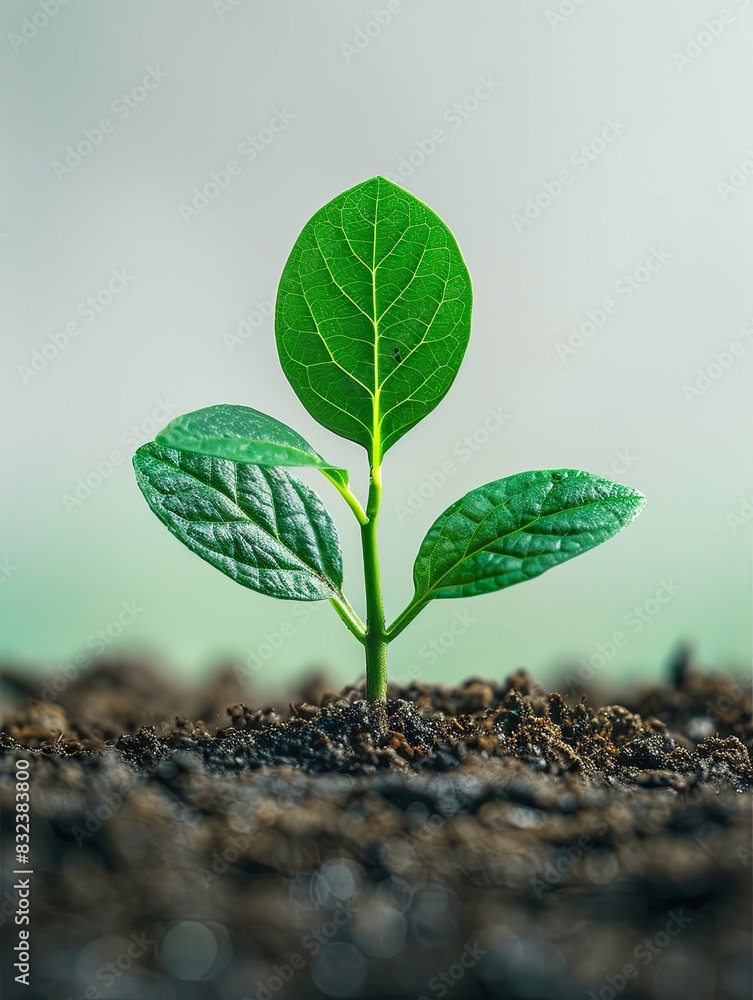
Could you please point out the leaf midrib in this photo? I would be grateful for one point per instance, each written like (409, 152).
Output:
(293, 450)
(469, 555)
(376, 422)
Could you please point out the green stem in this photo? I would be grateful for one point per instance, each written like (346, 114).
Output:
(375, 639)
(404, 619)
(349, 616)
(349, 497)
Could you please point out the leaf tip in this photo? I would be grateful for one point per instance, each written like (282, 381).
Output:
(633, 503)
(639, 500)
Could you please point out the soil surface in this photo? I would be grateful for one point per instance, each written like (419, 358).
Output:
(490, 840)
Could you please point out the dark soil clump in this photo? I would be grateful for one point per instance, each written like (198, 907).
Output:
(493, 840)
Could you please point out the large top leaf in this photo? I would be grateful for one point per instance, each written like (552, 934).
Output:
(516, 528)
(242, 434)
(261, 526)
(373, 314)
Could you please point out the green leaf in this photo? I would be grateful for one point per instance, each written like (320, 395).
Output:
(262, 527)
(514, 529)
(373, 314)
(242, 434)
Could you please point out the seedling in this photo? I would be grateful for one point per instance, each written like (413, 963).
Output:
(372, 321)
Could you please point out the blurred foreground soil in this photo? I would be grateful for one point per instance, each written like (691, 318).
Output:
(493, 840)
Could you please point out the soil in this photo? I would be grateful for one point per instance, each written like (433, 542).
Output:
(497, 840)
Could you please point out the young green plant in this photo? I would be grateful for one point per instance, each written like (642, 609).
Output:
(372, 321)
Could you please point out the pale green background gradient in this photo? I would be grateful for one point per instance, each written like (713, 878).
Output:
(683, 129)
